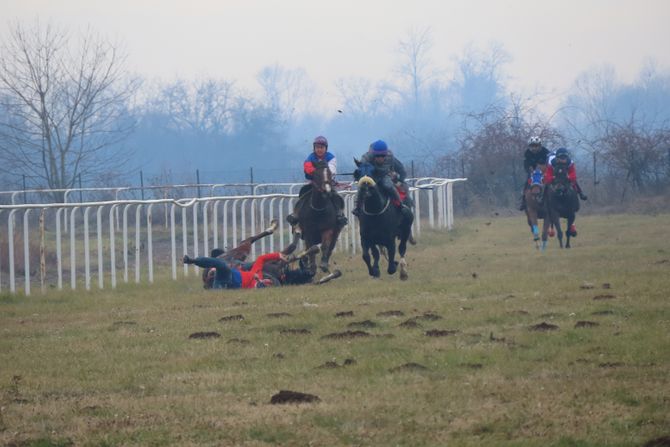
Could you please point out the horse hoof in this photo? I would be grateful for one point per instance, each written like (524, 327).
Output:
(324, 268)
(403, 276)
(375, 273)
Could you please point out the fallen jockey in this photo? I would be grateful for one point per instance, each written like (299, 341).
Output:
(219, 275)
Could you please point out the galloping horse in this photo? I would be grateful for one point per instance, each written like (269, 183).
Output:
(561, 202)
(317, 218)
(535, 207)
(380, 224)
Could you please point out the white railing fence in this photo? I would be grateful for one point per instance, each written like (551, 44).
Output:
(132, 239)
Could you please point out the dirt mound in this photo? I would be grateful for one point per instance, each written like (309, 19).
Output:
(544, 327)
(231, 318)
(329, 365)
(663, 441)
(279, 315)
(202, 335)
(472, 365)
(606, 296)
(409, 367)
(428, 316)
(241, 341)
(391, 313)
(278, 355)
(349, 362)
(440, 333)
(611, 364)
(124, 323)
(602, 312)
(347, 334)
(586, 324)
(295, 331)
(293, 397)
(364, 324)
(409, 324)
(346, 313)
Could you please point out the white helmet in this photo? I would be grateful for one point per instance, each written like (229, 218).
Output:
(535, 141)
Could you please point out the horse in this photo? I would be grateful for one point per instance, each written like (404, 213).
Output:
(380, 225)
(317, 217)
(535, 207)
(561, 202)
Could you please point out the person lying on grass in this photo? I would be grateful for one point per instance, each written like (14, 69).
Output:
(219, 275)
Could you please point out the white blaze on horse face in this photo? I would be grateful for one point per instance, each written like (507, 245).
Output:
(325, 180)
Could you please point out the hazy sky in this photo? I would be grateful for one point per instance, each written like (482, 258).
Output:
(550, 42)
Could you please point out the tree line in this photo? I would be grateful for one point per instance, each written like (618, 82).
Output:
(71, 112)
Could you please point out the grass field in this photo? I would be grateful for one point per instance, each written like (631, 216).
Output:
(489, 343)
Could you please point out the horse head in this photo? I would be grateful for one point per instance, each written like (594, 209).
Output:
(322, 178)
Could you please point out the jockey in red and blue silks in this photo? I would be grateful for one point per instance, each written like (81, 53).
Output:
(319, 153)
(562, 157)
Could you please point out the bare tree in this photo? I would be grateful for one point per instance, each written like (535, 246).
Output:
(204, 106)
(64, 105)
(287, 92)
(415, 66)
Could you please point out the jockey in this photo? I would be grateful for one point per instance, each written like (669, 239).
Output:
(562, 158)
(319, 153)
(218, 275)
(536, 155)
(388, 171)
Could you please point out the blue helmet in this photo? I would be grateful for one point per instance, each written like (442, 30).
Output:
(562, 153)
(379, 147)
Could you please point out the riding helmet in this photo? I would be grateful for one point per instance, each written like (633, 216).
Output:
(379, 147)
(321, 141)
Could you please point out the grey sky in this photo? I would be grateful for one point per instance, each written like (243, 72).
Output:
(550, 43)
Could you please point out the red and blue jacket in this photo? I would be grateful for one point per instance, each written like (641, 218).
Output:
(309, 168)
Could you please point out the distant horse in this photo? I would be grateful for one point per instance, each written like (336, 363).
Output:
(317, 217)
(561, 202)
(535, 207)
(381, 223)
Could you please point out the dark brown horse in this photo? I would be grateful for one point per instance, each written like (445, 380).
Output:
(561, 202)
(317, 217)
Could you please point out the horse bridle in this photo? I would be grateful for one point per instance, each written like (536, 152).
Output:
(384, 208)
(326, 188)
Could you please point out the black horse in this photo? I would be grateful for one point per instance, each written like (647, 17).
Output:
(561, 202)
(317, 217)
(381, 224)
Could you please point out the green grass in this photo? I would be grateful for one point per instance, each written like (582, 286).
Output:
(118, 368)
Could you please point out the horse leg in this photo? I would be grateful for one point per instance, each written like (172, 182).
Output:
(375, 261)
(569, 233)
(559, 231)
(546, 225)
(393, 264)
(365, 248)
(402, 249)
(326, 248)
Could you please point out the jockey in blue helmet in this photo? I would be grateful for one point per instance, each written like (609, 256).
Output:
(319, 153)
(388, 171)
